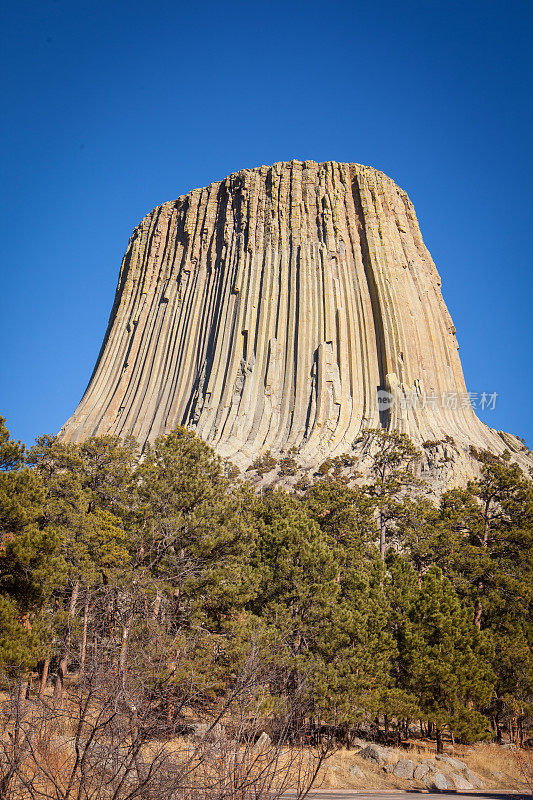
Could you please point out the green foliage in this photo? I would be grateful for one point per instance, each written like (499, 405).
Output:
(444, 660)
(19, 642)
(192, 529)
(393, 459)
(344, 512)
(26, 558)
(418, 526)
(173, 556)
(11, 452)
(288, 466)
(321, 591)
(485, 547)
(263, 464)
(337, 468)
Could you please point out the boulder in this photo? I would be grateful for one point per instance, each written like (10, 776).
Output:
(405, 768)
(459, 782)
(376, 754)
(437, 781)
(263, 742)
(421, 772)
(203, 730)
(452, 762)
(356, 742)
(474, 779)
(357, 773)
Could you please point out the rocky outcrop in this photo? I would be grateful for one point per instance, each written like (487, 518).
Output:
(441, 772)
(268, 310)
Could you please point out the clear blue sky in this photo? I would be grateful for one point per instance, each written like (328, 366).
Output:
(112, 107)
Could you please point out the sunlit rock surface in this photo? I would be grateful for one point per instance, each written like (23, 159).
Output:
(265, 311)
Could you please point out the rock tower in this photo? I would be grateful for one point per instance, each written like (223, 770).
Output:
(269, 310)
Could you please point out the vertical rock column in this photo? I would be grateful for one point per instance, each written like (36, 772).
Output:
(265, 311)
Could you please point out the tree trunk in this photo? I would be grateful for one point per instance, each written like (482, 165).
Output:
(21, 708)
(438, 738)
(382, 536)
(11, 769)
(157, 606)
(83, 648)
(486, 523)
(23, 690)
(124, 644)
(477, 614)
(63, 661)
(135, 746)
(44, 676)
(520, 733)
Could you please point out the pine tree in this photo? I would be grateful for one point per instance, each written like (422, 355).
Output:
(393, 458)
(343, 512)
(418, 524)
(445, 660)
(193, 530)
(297, 593)
(91, 543)
(320, 589)
(26, 558)
(485, 545)
(108, 464)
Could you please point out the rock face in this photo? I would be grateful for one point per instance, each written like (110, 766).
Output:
(265, 311)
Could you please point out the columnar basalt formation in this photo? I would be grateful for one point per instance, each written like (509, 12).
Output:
(266, 310)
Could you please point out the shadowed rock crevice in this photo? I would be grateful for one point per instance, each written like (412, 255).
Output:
(374, 298)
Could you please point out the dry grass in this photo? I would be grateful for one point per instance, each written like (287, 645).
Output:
(499, 768)
(218, 766)
(487, 759)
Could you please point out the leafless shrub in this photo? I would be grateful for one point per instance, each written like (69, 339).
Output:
(144, 729)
